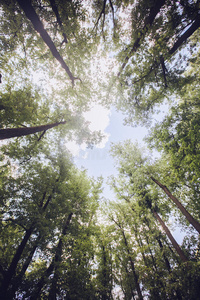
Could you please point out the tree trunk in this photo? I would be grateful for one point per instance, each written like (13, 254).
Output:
(57, 260)
(190, 219)
(132, 267)
(55, 10)
(129, 279)
(22, 131)
(147, 22)
(186, 34)
(173, 241)
(164, 256)
(37, 24)
(18, 279)
(52, 267)
(12, 268)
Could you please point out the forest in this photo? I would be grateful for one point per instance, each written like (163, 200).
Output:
(60, 237)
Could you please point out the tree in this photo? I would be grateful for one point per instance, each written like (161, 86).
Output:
(59, 239)
(135, 187)
(177, 134)
(38, 26)
(104, 273)
(150, 68)
(43, 201)
(135, 276)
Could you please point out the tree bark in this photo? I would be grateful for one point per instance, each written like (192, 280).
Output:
(186, 35)
(131, 261)
(38, 26)
(188, 216)
(168, 233)
(12, 268)
(22, 131)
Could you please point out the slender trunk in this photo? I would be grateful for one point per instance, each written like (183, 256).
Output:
(128, 275)
(160, 245)
(173, 241)
(105, 272)
(164, 256)
(151, 254)
(53, 290)
(129, 279)
(52, 267)
(167, 263)
(186, 35)
(55, 10)
(12, 268)
(38, 26)
(132, 267)
(154, 10)
(16, 132)
(18, 279)
(190, 219)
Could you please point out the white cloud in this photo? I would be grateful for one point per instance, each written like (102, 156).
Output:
(99, 118)
(73, 148)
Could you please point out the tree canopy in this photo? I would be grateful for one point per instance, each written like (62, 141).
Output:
(60, 237)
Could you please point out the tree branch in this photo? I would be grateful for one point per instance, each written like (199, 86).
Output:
(22, 131)
(186, 35)
(59, 21)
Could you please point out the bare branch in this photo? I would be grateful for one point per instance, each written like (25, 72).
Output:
(101, 13)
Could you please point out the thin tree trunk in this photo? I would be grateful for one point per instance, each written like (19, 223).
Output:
(164, 256)
(53, 290)
(52, 267)
(12, 268)
(132, 267)
(160, 245)
(18, 279)
(186, 35)
(131, 261)
(148, 22)
(188, 216)
(167, 263)
(173, 241)
(55, 10)
(37, 24)
(22, 131)
(129, 279)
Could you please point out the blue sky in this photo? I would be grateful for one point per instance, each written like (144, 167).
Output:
(97, 161)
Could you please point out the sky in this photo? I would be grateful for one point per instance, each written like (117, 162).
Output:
(98, 161)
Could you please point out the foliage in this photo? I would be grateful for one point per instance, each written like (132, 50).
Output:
(58, 238)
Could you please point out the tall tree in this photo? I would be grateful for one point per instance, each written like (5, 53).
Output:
(149, 67)
(38, 26)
